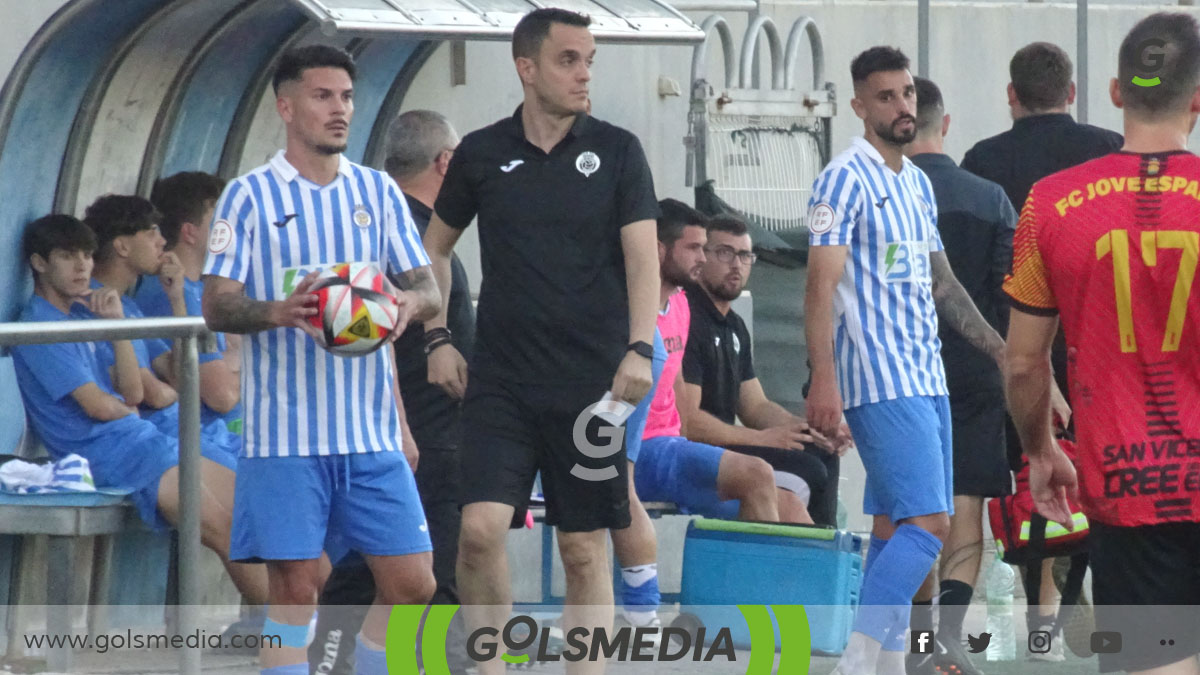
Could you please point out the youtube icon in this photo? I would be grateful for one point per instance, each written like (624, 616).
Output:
(1106, 642)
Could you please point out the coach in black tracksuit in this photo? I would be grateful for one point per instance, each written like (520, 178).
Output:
(420, 143)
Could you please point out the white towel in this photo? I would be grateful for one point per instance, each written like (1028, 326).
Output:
(69, 474)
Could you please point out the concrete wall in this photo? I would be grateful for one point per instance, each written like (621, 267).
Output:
(970, 46)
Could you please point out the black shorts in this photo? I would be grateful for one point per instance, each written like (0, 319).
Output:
(1146, 583)
(819, 469)
(981, 466)
(804, 464)
(512, 431)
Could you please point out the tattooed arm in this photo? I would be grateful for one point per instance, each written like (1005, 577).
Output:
(419, 294)
(957, 309)
(227, 309)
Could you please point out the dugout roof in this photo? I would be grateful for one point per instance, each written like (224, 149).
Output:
(645, 21)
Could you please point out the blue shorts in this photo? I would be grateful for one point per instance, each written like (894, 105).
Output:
(220, 445)
(139, 465)
(674, 469)
(285, 508)
(635, 425)
(907, 449)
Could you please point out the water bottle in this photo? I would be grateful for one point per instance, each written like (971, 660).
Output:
(1000, 579)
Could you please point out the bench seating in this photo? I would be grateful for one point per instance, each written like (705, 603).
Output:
(65, 518)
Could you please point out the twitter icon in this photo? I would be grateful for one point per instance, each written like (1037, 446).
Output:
(978, 644)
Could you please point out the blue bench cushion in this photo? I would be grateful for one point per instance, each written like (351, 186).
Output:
(101, 497)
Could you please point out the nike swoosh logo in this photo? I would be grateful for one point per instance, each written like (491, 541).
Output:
(512, 165)
(286, 219)
(881, 202)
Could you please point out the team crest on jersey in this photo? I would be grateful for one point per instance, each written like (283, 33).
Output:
(587, 163)
(926, 207)
(220, 236)
(820, 219)
(737, 344)
(362, 217)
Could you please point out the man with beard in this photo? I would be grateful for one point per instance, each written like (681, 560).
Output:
(878, 278)
(719, 386)
(700, 478)
(322, 447)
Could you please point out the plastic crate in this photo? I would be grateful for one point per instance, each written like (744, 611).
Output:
(728, 563)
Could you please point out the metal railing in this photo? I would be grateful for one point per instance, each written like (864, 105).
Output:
(188, 331)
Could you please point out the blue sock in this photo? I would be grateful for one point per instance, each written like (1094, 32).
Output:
(640, 592)
(367, 661)
(895, 576)
(873, 551)
(291, 669)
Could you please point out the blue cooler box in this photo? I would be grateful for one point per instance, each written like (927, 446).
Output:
(728, 563)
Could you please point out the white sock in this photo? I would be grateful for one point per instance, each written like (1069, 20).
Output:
(861, 655)
(639, 574)
(368, 643)
(639, 619)
(890, 663)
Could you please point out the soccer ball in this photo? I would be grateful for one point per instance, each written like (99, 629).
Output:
(356, 308)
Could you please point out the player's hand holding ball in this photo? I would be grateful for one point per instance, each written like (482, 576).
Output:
(299, 308)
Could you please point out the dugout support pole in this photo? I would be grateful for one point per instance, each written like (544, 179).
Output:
(189, 500)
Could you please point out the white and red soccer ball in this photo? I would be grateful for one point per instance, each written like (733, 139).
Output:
(356, 308)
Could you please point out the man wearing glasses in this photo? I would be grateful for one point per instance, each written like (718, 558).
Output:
(720, 386)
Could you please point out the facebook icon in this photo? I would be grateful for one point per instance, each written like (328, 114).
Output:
(922, 642)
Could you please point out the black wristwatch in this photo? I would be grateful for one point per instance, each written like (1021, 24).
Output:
(642, 349)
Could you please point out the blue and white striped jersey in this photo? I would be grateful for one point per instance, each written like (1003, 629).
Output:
(885, 323)
(270, 228)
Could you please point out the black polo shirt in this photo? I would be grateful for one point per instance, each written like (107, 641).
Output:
(1034, 148)
(718, 356)
(976, 223)
(432, 414)
(553, 303)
